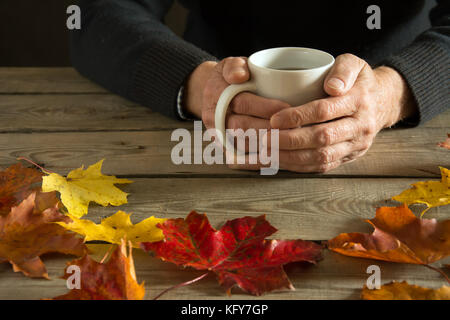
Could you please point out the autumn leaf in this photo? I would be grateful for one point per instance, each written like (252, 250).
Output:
(431, 193)
(114, 228)
(16, 184)
(238, 253)
(399, 236)
(405, 291)
(112, 280)
(83, 186)
(446, 143)
(27, 232)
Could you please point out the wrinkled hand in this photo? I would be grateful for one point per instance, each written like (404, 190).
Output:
(323, 134)
(246, 111)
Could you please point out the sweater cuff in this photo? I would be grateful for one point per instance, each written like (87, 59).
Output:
(424, 66)
(162, 71)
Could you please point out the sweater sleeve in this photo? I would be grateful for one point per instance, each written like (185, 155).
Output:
(425, 65)
(124, 46)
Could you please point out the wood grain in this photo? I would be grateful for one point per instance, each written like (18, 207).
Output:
(406, 152)
(70, 112)
(45, 80)
(313, 209)
(99, 112)
(335, 277)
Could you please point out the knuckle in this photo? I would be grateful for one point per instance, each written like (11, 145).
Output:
(325, 155)
(208, 119)
(326, 136)
(297, 117)
(323, 168)
(324, 111)
(370, 127)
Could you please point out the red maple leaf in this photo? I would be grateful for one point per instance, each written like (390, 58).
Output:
(238, 253)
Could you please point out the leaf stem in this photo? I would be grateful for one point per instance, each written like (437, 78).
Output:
(35, 164)
(438, 271)
(181, 285)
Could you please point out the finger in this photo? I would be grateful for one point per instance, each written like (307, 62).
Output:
(319, 156)
(320, 135)
(234, 70)
(253, 105)
(237, 121)
(343, 74)
(316, 168)
(314, 112)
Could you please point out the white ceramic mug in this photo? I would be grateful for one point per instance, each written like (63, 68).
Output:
(292, 75)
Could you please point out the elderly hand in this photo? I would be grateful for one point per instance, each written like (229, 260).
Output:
(246, 111)
(323, 134)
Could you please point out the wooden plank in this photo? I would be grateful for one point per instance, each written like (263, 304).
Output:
(407, 152)
(313, 209)
(335, 277)
(93, 112)
(97, 112)
(45, 80)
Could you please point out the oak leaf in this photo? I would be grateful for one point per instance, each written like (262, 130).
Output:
(399, 236)
(446, 143)
(29, 231)
(431, 193)
(16, 184)
(111, 280)
(116, 227)
(83, 186)
(238, 253)
(405, 291)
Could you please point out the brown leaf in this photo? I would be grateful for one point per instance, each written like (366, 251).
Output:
(398, 237)
(113, 280)
(26, 233)
(405, 291)
(16, 184)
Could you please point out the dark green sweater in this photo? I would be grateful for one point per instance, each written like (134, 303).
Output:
(124, 45)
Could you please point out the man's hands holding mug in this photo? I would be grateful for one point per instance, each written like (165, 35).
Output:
(317, 136)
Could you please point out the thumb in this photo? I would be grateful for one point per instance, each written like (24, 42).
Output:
(343, 74)
(234, 70)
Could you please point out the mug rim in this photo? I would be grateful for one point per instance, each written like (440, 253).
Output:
(332, 60)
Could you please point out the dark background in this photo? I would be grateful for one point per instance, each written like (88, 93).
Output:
(34, 32)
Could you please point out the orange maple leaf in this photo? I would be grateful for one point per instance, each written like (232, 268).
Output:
(113, 280)
(399, 236)
(28, 232)
(405, 291)
(446, 143)
(17, 183)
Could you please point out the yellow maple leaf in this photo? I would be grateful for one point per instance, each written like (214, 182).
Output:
(83, 186)
(431, 193)
(116, 227)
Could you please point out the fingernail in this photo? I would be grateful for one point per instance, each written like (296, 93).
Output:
(336, 83)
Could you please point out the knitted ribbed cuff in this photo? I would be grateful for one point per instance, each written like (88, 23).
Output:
(425, 67)
(162, 71)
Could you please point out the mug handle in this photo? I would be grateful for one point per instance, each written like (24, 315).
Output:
(222, 105)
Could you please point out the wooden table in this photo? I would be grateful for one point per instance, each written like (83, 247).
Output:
(61, 120)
